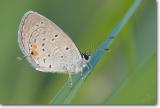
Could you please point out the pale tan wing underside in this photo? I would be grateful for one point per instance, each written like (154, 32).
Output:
(48, 48)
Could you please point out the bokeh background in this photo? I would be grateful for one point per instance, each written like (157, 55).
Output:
(125, 75)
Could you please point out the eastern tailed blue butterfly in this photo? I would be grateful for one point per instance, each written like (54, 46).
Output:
(47, 47)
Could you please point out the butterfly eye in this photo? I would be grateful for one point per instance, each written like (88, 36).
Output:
(86, 57)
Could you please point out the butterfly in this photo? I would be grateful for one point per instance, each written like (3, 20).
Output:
(47, 47)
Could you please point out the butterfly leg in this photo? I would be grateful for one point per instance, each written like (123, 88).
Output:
(21, 58)
(70, 79)
(89, 66)
(82, 74)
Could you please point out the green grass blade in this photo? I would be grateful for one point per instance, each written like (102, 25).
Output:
(138, 81)
(67, 93)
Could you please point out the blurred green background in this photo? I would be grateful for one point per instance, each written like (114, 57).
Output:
(125, 75)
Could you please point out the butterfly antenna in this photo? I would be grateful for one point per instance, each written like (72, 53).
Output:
(21, 58)
(92, 47)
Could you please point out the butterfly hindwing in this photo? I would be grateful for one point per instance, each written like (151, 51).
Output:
(48, 48)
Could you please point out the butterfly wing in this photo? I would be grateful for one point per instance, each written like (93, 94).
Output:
(46, 46)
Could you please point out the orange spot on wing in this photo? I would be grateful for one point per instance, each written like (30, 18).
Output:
(34, 45)
(34, 52)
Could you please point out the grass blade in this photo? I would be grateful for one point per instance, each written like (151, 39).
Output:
(67, 93)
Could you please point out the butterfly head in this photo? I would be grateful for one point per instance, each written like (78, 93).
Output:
(86, 56)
